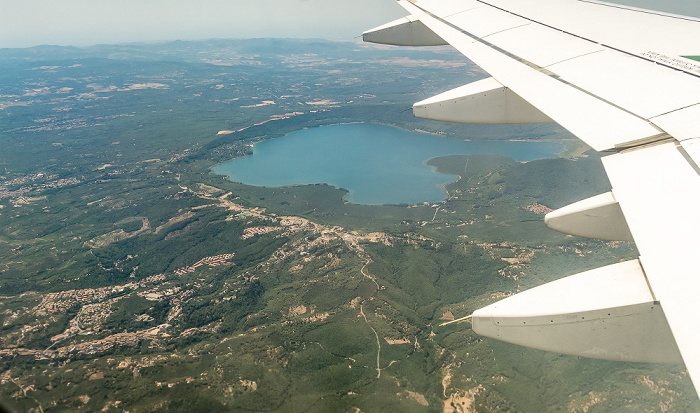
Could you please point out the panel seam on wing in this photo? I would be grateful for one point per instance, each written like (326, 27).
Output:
(575, 57)
(461, 11)
(674, 110)
(505, 30)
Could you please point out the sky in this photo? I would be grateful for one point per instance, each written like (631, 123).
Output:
(26, 23)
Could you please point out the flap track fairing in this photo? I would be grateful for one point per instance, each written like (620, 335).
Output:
(483, 101)
(607, 313)
(406, 31)
(598, 217)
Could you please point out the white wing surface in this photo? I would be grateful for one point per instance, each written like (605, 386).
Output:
(625, 81)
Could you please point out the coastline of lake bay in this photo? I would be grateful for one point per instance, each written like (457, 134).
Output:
(377, 164)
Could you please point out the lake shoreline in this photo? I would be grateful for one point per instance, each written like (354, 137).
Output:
(352, 155)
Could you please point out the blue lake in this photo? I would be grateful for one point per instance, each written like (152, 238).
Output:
(377, 164)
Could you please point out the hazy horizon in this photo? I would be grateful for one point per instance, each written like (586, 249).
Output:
(89, 22)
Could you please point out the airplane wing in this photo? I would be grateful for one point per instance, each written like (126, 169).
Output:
(625, 81)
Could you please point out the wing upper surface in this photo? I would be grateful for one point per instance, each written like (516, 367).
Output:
(624, 28)
(623, 80)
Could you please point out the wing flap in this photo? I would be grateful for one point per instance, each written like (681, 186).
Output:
(660, 200)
